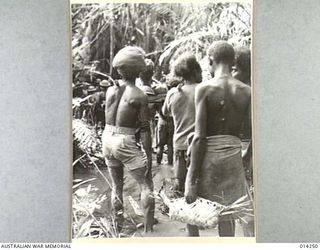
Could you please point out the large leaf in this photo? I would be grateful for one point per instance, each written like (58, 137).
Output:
(152, 27)
(84, 229)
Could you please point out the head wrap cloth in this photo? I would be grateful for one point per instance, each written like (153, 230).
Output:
(129, 61)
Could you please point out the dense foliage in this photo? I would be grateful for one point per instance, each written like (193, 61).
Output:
(162, 30)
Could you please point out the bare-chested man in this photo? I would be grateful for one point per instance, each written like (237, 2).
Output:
(242, 71)
(126, 124)
(222, 104)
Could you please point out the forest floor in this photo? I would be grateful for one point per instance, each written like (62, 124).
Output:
(165, 227)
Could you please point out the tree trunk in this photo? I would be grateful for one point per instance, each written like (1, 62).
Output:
(111, 40)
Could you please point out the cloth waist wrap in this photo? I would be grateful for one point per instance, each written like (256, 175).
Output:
(119, 130)
(222, 177)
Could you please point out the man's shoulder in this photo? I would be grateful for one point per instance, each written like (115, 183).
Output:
(241, 87)
(140, 93)
(112, 88)
(216, 84)
(146, 89)
(208, 86)
(137, 95)
(172, 92)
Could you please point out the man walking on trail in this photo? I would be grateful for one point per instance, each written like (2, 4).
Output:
(165, 130)
(144, 82)
(222, 104)
(179, 103)
(242, 71)
(126, 124)
(166, 127)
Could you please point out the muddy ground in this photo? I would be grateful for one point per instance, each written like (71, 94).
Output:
(165, 227)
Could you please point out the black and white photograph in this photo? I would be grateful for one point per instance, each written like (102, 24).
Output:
(162, 120)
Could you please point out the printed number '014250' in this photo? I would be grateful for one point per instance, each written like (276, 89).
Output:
(312, 246)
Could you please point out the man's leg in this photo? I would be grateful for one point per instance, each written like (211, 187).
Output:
(248, 229)
(169, 140)
(153, 133)
(161, 143)
(116, 174)
(226, 228)
(170, 152)
(147, 201)
(180, 170)
(192, 230)
(159, 153)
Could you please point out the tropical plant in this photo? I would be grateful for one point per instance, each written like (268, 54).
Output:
(163, 30)
(85, 202)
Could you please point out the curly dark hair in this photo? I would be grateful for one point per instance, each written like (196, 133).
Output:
(221, 52)
(186, 65)
(243, 60)
(148, 71)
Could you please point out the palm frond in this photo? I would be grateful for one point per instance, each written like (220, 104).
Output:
(86, 138)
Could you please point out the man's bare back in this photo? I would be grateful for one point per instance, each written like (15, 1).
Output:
(127, 105)
(228, 101)
(127, 122)
(222, 105)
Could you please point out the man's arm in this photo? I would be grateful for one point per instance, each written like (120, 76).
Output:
(165, 111)
(198, 145)
(248, 121)
(145, 134)
(105, 99)
(248, 131)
